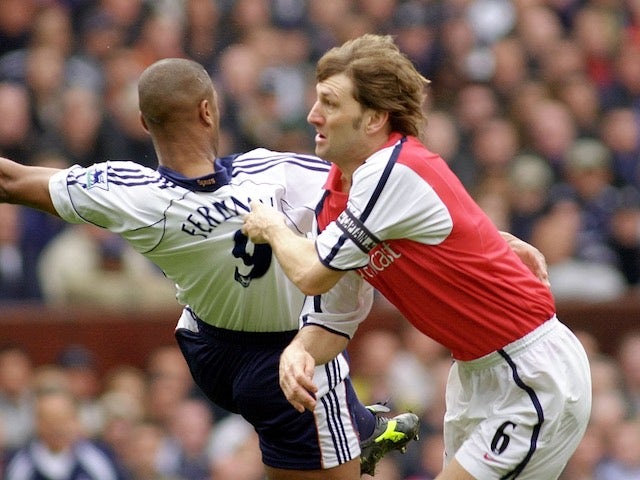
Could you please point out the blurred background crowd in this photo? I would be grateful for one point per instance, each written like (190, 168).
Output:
(535, 104)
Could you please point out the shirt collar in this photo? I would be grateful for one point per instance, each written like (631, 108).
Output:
(207, 183)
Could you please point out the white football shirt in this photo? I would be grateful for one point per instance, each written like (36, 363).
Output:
(191, 229)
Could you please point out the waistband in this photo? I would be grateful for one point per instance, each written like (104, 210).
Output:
(244, 338)
(513, 348)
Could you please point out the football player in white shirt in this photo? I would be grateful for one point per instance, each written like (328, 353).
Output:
(240, 310)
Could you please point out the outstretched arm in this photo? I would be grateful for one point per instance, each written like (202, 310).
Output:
(26, 185)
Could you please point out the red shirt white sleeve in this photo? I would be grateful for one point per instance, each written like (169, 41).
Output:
(415, 234)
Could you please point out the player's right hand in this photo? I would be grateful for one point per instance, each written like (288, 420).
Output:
(296, 377)
(259, 220)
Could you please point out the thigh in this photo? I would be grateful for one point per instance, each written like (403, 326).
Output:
(243, 378)
(211, 366)
(322, 439)
(523, 417)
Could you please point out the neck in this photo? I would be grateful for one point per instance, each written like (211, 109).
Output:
(191, 167)
(189, 160)
(346, 182)
(189, 150)
(375, 144)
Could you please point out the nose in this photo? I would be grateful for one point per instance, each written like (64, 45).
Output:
(314, 117)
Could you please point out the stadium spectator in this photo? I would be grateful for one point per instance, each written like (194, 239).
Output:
(169, 383)
(60, 449)
(530, 179)
(127, 379)
(374, 359)
(16, 133)
(413, 370)
(13, 274)
(17, 400)
(143, 453)
(202, 39)
(550, 132)
(580, 95)
(186, 451)
(16, 19)
(127, 280)
(234, 450)
(620, 132)
(628, 357)
(52, 28)
(586, 460)
(510, 68)
(623, 462)
(79, 135)
(122, 413)
(582, 262)
(80, 367)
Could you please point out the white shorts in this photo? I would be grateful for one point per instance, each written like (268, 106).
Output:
(520, 412)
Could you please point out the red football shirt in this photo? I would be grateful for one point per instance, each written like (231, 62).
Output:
(412, 231)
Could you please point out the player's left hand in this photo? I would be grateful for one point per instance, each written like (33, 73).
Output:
(259, 220)
(530, 256)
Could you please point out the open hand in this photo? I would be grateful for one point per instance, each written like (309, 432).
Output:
(296, 377)
(530, 256)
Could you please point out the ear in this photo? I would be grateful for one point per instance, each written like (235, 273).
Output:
(204, 111)
(144, 123)
(377, 121)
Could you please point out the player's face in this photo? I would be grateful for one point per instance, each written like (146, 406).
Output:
(338, 119)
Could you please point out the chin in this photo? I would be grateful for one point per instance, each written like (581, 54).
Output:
(321, 152)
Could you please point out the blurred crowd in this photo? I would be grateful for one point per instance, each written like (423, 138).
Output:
(535, 104)
(125, 423)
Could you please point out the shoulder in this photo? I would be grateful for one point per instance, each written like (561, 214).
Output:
(262, 159)
(106, 193)
(116, 173)
(95, 460)
(123, 170)
(408, 151)
(20, 464)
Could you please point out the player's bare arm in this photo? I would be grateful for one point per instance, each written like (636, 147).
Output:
(530, 256)
(297, 255)
(299, 260)
(312, 346)
(26, 185)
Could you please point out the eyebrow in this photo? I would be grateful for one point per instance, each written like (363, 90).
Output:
(325, 92)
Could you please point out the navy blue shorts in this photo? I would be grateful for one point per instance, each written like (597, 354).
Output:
(238, 371)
